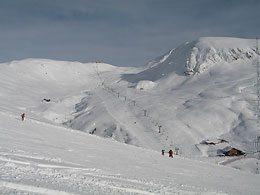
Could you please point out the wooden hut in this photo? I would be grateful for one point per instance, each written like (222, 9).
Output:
(233, 152)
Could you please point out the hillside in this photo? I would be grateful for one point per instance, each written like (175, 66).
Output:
(202, 90)
(40, 158)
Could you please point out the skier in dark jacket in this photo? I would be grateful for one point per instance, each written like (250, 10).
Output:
(163, 152)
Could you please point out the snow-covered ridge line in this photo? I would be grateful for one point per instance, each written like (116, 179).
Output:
(207, 52)
(161, 59)
(197, 56)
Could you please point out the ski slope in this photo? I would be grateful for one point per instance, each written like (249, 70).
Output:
(40, 158)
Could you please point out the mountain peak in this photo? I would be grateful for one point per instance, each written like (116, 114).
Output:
(197, 56)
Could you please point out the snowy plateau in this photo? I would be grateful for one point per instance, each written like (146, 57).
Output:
(94, 128)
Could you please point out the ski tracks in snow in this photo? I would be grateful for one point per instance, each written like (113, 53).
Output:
(15, 188)
(29, 174)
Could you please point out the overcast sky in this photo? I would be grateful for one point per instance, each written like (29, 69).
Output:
(119, 32)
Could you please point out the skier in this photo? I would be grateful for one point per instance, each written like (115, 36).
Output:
(23, 115)
(171, 153)
(163, 152)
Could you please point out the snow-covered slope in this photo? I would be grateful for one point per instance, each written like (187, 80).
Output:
(39, 158)
(197, 56)
(201, 90)
(25, 84)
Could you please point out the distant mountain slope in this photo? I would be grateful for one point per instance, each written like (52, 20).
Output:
(25, 83)
(206, 88)
(197, 56)
(201, 90)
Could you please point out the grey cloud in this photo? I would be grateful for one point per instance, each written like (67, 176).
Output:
(120, 32)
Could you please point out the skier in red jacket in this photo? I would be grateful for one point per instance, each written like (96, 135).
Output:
(171, 153)
(23, 115)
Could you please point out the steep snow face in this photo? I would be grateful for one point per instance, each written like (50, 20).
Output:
(196, 57)
(209, 51)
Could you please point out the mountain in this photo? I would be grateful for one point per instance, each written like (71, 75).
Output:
(200, 91)
(93, 128)
(196, 57)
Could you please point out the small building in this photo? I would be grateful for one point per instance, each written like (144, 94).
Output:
(233, 152)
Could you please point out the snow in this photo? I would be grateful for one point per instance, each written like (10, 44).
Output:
(47, 159)
(145, 85)
(103, 127)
